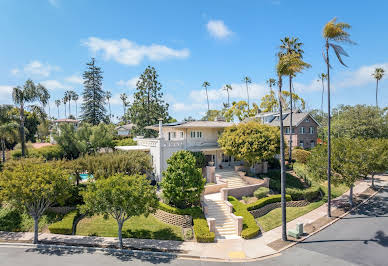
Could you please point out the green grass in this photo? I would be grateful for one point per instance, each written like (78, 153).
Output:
(273, 219)
(135, 227)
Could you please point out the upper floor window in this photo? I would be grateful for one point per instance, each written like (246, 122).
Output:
(307, 120)
(174, 135)
(311, 130)
(196, 134)
(287, 130)
(199, 134)
(301, 130)
(182, 134)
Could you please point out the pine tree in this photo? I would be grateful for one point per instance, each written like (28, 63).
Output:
(93, 107)
(148, 104)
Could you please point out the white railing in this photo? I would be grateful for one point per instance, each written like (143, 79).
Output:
(147, 142)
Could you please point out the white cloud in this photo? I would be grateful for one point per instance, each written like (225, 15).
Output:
(54, 3)
(5, 94)
(36, 68)
(74, 79)
(53, 84)
(218, 29)
(314, 85)
(127, 52)
(238, 92)
(185, 107)
(131, 83)
(361, 76)
(115, 100)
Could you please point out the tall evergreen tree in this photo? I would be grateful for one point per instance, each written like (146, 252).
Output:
(148, 104)
(93, 106)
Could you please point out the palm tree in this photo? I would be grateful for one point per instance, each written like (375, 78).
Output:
(247, 80)
(44, 97)
(378, 75)
(108, 96)
(8, 127)
(288, 63)
(74, 97)
(58, 103)
(123, 98)
(228, 88)
(29, 93)
(321, 78)
(68, 95)
(64, 101)
(291, 46)
(271, 82)
(206, 84)
(333, 32)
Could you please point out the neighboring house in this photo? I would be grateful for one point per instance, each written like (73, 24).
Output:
(191, 135)
(304, 127)
(124, 130)
(55, 127)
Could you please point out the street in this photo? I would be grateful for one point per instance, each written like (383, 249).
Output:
(360, 238)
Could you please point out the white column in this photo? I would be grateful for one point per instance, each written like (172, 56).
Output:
(160, 128)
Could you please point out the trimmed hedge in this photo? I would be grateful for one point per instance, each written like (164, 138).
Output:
(310, 194)
(201, 228)
(65, 226)
(125, 142)
(265, 201)
(261, 192)
(250, 228)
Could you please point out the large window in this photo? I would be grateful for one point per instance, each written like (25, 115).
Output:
(301, 130)
(196, 134)
(311, 130)
(287, 130)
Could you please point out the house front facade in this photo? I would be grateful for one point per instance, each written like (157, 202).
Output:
(196, 136)
(304, 127)
(124, 130)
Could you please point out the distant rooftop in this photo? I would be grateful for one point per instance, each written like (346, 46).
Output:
(195, 124)
(66, 120)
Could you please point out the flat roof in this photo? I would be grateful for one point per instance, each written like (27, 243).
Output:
(132, 148)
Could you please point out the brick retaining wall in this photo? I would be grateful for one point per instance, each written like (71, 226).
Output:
(184, 221)
(267, 208)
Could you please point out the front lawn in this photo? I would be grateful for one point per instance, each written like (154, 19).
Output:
(136, 227)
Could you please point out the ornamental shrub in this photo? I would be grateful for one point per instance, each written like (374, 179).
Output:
(199, 158)
(301, 156)
(125, 142)
(182, 182)
(261, 192)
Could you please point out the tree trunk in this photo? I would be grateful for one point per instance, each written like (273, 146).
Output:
(377, 88)
(328, 134)
(323, 92)
(36, 229)
(110, 112)
(3, 149)
(282, 165)
(351, 196)
(290, 142)
(373, 180)
(21, 130)
(76, 110)
(228, 100)
(207, 97)
(58, 111)
(120, 234)
(246, 83)
(65, 111)
(69, 108)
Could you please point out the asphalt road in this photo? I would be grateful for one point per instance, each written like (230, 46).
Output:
(361, 238)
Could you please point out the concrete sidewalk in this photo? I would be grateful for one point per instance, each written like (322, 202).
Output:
(223, 249)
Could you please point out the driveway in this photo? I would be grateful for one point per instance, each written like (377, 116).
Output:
(360, 238)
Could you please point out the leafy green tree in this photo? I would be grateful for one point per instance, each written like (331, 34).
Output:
(240, 110)
(93, 106)
(252, 142)
(347, 162)
(378, 75)
(374, 153)
(121, 197)
(333, 32)
(148, 105)
(200, 159)
(269, 102)
(34, 185)
(206, 84)
(211, 115)
(21, 96)
(8, 127)
(182, 182)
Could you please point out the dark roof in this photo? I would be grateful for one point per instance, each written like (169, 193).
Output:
(297, 118)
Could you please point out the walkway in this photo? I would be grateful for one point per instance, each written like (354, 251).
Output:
(239, 248)
(231, 177)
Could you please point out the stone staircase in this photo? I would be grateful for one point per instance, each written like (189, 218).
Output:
(231, 177)
(225, 227)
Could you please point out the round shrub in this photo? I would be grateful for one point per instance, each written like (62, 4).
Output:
(301, 156)
(261, 192)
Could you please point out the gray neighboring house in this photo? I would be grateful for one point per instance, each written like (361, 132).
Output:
(304, 126)
(125, 130)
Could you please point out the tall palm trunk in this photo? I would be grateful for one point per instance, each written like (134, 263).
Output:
(69, 108)
(207, 98)
(228, 99)
(110, 112)
(65, 111)
(323, 92)
(328, 134)
(377, 88)
(21, 130)
(246, 84)
(290, 142)
(58, 111)
(3, 148)
(49, 110)
(282, 166)
(76, 110)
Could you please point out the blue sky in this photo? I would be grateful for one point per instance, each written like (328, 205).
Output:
(188, 42)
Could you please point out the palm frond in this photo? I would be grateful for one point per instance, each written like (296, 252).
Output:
(338, 50)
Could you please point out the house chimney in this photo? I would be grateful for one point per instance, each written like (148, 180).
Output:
(160, 128)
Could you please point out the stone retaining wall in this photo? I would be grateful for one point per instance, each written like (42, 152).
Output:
(267, 208)
(184, 221)
(61, 210)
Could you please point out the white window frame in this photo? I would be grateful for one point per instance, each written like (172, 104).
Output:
(287, 130)
(311, 130)
(301, 130)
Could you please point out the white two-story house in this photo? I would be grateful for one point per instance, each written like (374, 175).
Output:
(199, 136)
